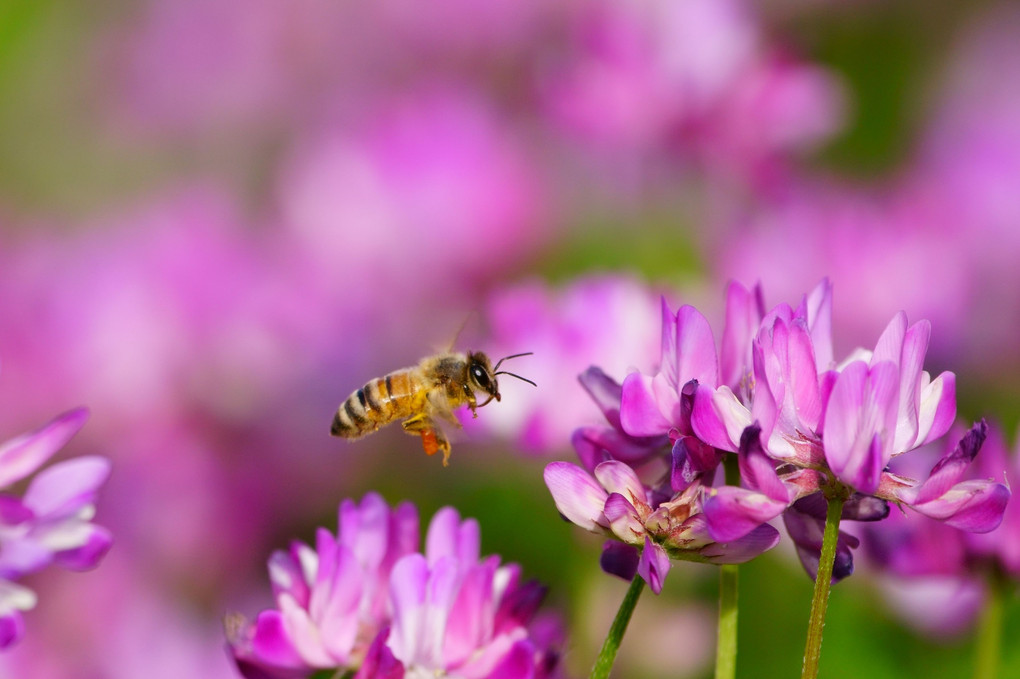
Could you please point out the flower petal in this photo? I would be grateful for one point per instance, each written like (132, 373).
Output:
(595, 445)
(577, 495)
(470, 624)
(757, 470)
(816, 307)
(691, 459)
(15, 597)
(695, 347)
(89, 551)
(653, 565)
(731, 513)
(605, 391)
(407, 593)
(364, 528)
(449, 536)
(859, 415)
(807, 532)
(719, 418)
(953, 465)
(624, 520)
(617, 477)
(302, 634)
(21, 456)
(619, 559)
(66, 487)
(911, 361)
(742, 318)
(973, 506)
(12, 628)
(938, 408)
(379, 662)
(640, 410)
(292, 571)
(890, 343)
(520, 600)
(742, 550)
(517, 663)
(270, 643)
(338, 619)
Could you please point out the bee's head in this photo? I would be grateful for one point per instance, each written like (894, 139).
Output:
(482, 375)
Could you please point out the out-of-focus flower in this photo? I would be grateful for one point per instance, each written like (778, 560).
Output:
(146, 313)
(51, 522)
(402, 195)
(950, 207)
(967, 164)
(950, 566)
(693, 78)
(368, 601)
(148, 629)
(193, 67)
(881, 243)
(608, 321)
(464, 29)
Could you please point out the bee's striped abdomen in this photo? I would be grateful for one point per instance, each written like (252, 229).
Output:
(376, 404)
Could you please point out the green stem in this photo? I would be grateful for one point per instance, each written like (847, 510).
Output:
(726, 643)
(989, 632)
(726, 640)
(607, 655)
(823, 581)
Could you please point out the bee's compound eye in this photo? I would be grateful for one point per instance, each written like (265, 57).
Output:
(480, 377)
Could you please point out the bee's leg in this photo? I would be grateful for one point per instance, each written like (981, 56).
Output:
(432, 438)
(472, 403)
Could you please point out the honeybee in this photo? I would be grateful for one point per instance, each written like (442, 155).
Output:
(433, 388)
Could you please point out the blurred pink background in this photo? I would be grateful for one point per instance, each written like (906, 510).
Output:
(220, 217)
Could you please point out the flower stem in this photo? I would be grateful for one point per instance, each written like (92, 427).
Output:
(989, 632)
(726, 643)
(726, 639)
(607, 655)
(823, 581)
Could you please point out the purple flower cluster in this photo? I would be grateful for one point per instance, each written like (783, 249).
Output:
(804, 428)
(937, 574)
(51, 522)
(367, 601)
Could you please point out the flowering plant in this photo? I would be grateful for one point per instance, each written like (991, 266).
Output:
(366, 601)
(813, 439)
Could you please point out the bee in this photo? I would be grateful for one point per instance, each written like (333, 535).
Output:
(420, 394)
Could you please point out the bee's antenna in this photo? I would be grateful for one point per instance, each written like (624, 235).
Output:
(522, 379)
(507, 358)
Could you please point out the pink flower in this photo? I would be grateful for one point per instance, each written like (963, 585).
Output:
(188, 67)
(945, 561)
(402, 193)
(51, 521)
(615, 503)
(368, 601)
(696, 80)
